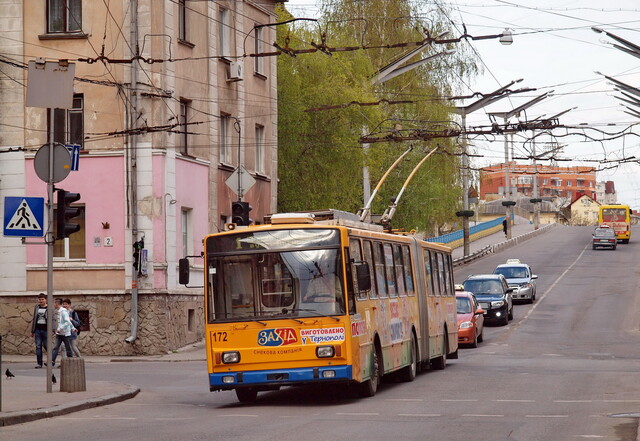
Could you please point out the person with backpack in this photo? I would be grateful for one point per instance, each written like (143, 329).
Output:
(77, 324)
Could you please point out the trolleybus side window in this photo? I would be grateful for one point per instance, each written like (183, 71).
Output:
(368, 257)
(448, 266)
(390, 270)
(408, 273)
(429, 271)
(441, 274)
(399, 267)
(355, 256)
(435, 271)
(380, 274)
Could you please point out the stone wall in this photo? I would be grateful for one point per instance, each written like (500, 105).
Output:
(165, 323)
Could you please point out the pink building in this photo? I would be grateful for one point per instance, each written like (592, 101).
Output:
(167, 104)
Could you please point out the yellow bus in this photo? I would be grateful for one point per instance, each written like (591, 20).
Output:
(618, 217)
(321, 298)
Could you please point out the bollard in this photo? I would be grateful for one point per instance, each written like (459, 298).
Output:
(72, 377)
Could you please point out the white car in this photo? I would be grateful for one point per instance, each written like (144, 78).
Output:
(519, 276)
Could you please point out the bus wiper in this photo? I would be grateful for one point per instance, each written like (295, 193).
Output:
(313, 311)
(285, 311)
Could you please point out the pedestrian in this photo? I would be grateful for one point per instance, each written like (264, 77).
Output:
(62, 332)
(504, 226)
(39, 327)
(75, 321)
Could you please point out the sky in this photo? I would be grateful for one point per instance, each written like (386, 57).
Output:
(554, 51)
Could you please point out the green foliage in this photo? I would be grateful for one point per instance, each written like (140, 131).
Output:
(320, 157)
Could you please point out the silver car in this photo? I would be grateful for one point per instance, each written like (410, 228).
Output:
(520, 277)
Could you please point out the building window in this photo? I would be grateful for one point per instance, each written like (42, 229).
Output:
(183, 128)
(68, 124)
(568, 183)
(72, 247)
(182, 20)
(185, 229)
(259, 148)
(64, 16)
(258, 62)
(191, 320)
(224, 23)
(225, 124)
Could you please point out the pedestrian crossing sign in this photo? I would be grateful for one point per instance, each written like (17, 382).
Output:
(23, 216)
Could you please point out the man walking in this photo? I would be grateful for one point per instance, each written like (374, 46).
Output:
(39, 327)
(63, 331)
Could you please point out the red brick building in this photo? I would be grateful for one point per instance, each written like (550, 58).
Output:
(553, 181)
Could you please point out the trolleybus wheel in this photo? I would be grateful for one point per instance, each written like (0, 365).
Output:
(369, 387)
(440, 362)
(246, 394)
(408, 373)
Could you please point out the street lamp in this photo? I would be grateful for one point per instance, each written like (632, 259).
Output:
(506, 115)
(490, 98)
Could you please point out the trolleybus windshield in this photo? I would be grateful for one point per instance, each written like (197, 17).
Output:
(259, 275)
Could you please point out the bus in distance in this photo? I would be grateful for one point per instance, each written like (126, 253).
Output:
(618, 217)
(324, 299)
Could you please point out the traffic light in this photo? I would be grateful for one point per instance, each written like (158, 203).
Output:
(65, 212)
(240, 213)
(137, 248)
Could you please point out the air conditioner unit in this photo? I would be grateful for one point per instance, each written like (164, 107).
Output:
(236, 71)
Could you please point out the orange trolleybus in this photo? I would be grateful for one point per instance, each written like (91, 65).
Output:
(618, 217)
(323, 298)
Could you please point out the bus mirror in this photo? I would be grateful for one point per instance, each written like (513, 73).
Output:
(183, 271)
(363, 276)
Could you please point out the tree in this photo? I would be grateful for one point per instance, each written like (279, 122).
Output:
(320, 158)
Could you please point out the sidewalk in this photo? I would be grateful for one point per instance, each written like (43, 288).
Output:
(520, 231)
(25, 397)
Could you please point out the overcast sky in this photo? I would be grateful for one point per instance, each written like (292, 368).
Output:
(554, 49)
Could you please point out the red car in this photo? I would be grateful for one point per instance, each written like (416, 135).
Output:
(470, 319)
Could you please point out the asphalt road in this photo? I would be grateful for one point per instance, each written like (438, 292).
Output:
(566, 368)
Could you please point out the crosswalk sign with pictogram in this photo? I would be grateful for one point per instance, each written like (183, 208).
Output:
(23, 216)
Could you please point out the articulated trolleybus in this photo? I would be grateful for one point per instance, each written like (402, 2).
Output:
(323, 298)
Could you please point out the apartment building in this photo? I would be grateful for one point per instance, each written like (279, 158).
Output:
(553, 181)
(167, 104)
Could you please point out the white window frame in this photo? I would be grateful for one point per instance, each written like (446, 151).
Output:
(225, 126)
(182, 20)
(62, 9)
(259, 132)
(186, 231)
(258, 62)
(224, 29)
(183, 118)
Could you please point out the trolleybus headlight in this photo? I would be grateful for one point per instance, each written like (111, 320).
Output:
(328, 374)
(325, 351)
(228, 379)
(231, 357)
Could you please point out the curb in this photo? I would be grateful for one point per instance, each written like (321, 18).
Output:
(25, 416)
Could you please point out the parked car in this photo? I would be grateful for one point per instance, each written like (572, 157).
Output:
(470, 319)
(520, 277)
(493, 294)
(604, 236)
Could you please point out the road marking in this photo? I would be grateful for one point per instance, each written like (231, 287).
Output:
(589, 436)
(547, 416)
(404, 399)
(515, 401)
(241, 415)
(427, 415)
(479, 415)
(573, 401)
(621, 401)
(358, 414)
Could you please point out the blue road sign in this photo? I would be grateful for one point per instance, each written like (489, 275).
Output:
(74, 149)
(23, 216)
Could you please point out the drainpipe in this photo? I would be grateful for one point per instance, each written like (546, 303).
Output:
(133, 112)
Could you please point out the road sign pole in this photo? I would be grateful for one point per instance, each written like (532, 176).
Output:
(50, 241)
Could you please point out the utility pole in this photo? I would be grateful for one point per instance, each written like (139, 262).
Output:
(463, 111)
(508, 203)
(133, 169)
